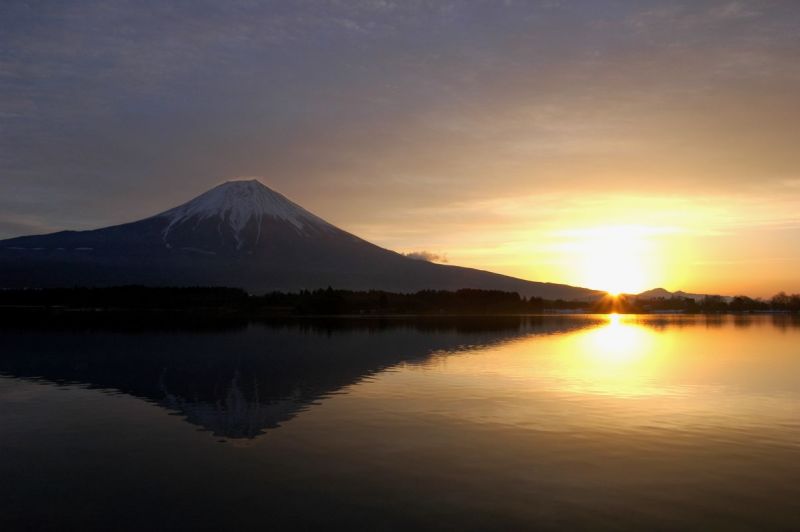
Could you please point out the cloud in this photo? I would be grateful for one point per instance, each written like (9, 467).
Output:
(734, 10)
(436, 125)
(427, 256)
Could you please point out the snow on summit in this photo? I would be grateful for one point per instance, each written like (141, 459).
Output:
(238, 234)
(236, 203)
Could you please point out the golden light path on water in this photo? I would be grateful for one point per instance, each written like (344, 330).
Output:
(616, 358)
(623, 373)
(542, 422)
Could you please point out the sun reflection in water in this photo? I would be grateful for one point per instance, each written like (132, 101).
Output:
(617, 358)
(627, 372)
(616, 342)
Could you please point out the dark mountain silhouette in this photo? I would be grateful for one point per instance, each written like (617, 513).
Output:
(238, 381)
(662, 292)
(239, 234)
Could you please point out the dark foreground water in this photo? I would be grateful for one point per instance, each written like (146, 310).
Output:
(508, 424)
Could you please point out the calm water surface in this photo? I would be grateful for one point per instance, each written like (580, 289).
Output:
(521, 423)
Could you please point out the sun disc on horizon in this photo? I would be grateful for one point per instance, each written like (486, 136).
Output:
(616, 259)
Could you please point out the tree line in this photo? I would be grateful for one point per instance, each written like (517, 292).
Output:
(377, 302)
(780, 302)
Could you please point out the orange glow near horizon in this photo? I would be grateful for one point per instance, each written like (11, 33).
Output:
(616, 259)
(614, 243)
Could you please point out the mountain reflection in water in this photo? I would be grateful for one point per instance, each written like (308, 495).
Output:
(518, 423)
(243, 379)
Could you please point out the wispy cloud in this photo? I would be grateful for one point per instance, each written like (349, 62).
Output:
(427, 256)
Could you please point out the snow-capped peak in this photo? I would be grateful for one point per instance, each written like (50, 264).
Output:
(237, 203)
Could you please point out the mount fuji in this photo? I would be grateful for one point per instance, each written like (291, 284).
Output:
(239, 234)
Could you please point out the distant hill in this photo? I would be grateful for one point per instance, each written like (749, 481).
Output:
(661, 292)
(240, 234)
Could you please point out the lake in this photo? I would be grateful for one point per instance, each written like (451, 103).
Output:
(541, 422)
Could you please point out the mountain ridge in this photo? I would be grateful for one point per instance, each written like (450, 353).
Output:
(663, 292)
(239, 234)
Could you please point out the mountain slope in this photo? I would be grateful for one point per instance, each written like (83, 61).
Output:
(239, 234)
(666, 294)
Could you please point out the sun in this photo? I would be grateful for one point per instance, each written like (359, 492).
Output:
(616, 259)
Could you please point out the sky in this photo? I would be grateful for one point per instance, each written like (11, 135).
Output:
(619, 145)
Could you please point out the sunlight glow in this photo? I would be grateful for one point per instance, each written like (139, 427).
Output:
(618, 358)
(615, 358)
(617, 259)
(617, 341)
